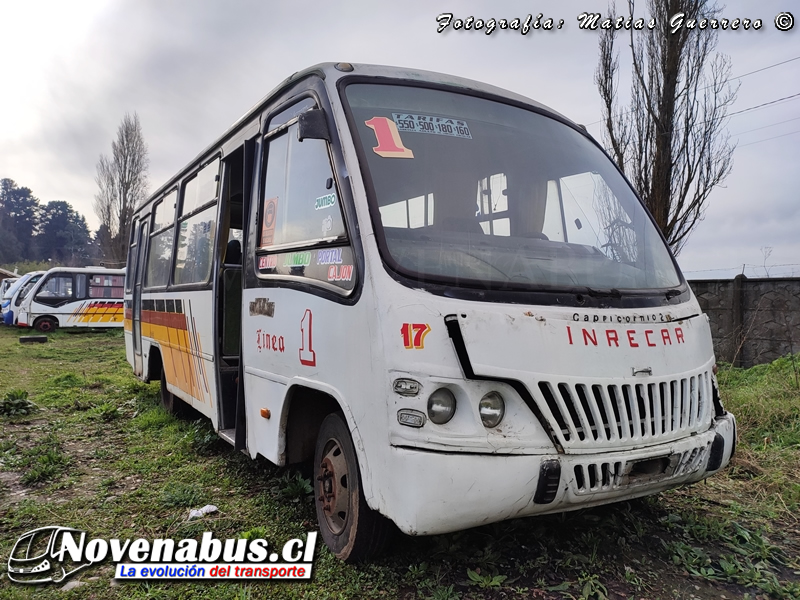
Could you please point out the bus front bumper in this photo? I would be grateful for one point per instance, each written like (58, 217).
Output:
(435, 492)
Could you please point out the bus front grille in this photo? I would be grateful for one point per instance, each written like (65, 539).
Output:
(592, 477)
(588, 415)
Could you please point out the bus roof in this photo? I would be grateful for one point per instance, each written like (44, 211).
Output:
(331, 73)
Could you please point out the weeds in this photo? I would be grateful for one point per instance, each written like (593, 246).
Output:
(445, 593)
(490, 580)
(203, 439)
(181, 495)
(293, 486)
(15, 404)
(591, 587)
(44, 461)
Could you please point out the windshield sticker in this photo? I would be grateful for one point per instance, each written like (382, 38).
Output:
(435, 125)
(327, 224)
(268, 223)
(332, 256)
(297, 259)
(389, 143)
(340, 273)
(324, 202)
(268, 262)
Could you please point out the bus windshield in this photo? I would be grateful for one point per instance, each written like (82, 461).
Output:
(473, 192)
(16, 285)
(26, 289)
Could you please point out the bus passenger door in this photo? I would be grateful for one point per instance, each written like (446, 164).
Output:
(137, 298)
(237, 177)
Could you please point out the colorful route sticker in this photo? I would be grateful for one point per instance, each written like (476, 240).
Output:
(428, 124)
(268, 262)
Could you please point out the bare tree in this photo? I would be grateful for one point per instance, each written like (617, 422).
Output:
(122, 184)
(766, 251)
(671, 141)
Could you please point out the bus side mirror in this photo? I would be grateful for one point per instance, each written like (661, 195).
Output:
(313, 125)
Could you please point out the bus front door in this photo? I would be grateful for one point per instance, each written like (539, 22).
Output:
(137, 299)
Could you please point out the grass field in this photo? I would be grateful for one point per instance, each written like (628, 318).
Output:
(101, 455)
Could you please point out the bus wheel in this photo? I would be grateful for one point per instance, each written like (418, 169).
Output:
(45, 324)
(172, 404)
(350, 528)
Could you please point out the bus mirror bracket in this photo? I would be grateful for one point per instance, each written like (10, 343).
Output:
(313, 125)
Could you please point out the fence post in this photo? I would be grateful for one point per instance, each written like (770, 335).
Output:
(738, 319)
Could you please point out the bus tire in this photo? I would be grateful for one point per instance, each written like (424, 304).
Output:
(351, 529)
(45, 324)
(171, 403)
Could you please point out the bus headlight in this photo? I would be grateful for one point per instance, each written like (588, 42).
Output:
(441, 406)
(492, 408)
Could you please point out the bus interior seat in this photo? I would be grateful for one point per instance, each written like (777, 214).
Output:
(233, 253)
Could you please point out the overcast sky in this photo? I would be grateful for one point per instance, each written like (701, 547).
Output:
(190, 68)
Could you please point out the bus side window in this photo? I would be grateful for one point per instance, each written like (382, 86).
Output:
(553, 226)
(301, 203)
(159, 257)
(408, 214)
(55, 290)
(132, 256)
(106, 286)
(197, 227)
(80, 286)
(493, 205)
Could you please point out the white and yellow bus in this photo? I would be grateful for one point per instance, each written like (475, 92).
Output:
(72, 297)
(441, 292)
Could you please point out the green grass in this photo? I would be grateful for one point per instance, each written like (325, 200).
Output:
(101, 455)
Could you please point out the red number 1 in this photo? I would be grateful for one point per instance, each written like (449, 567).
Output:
(389, 143)
(307, 355)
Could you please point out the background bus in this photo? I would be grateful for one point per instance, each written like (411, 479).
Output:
(5, 284)
(73, 297)
(10, 302)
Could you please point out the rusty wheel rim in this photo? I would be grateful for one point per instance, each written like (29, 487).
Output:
(333, 486)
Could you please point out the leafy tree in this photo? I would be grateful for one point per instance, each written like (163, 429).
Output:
(19, 214)
(122, 184)
(671, 141)
(64, 236)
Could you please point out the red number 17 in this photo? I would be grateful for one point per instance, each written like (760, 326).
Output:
(414, 335)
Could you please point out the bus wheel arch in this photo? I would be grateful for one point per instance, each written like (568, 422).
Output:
(351, 529)
(154, 364)
(45, 324)
(306, 409)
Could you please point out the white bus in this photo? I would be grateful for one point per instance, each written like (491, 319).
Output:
(443, 293)
(6, 283)
(73, 297)
(13, 296)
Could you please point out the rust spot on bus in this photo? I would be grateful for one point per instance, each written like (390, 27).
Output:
(262, 306)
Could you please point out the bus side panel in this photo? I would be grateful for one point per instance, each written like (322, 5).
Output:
(174, 323)
(81, 313)
(313, 342)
